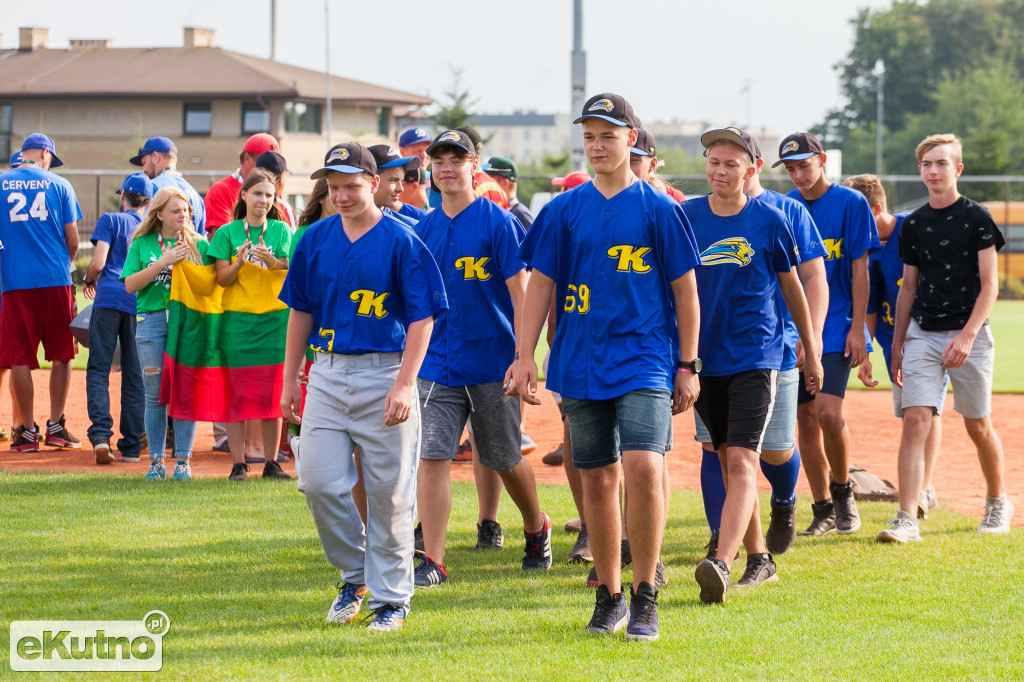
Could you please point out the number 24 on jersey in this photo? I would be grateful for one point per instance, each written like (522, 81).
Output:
(19, 201)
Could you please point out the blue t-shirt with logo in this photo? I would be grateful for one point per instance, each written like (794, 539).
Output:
(613, 262)
(115, 229)
(886, 270)
(477, 250)
(847, 228)
(363, 294)
(809, 247)
(170, 178)
(410, 211)
(740, 324)
(35, 204)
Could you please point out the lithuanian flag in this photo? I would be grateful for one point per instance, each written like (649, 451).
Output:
(224, 359)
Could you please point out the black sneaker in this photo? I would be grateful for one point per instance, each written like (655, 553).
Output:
(660, 579)
(273, 470)
(418, 547)
(713, 577)
(538, 548)
(429, 574)
(643, 613)
(627, 559)
(712, 547)
(847, 518)
(239, 472)
(610, 612)
(488, 535)
(25, 440)
(581, 552)
(760, 570)
(781, 529)
(824, 520)
(57, 436)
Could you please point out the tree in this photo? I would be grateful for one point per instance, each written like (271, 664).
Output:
(457, 111)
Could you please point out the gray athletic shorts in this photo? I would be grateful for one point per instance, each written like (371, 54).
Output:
(494, 417)
(923, 374)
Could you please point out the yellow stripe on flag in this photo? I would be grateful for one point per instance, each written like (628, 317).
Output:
(254, 291)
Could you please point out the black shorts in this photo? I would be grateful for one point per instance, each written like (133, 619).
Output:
(837, 374)
(736, 409)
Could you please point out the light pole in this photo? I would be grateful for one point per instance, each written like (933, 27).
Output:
(880, 113)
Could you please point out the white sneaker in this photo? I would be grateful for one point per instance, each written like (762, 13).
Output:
(998, 513)
(295, 442)
(902, 529)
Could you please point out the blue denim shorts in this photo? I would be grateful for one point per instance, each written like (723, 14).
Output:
(601, 430)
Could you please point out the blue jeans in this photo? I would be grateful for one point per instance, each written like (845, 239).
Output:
(151, 338)
(106, 327)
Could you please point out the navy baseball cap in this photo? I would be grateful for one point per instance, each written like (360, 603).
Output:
(386, 157)
(348, 158)
(40, 141)
(609, 107)
(138, 183)
(413, 136)
(645, 145)
(272, 162)
(153, 144)
(452, 138)
(738, 137)
(797, 147)
(15, 160)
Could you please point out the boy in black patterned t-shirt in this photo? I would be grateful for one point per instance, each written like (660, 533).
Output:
(949, 287)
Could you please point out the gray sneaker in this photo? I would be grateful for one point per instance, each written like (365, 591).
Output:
(847, 518)
(998, 513)
(925, 501)
(760, 570)
(713, 577)
(902, 529)
(581, 552)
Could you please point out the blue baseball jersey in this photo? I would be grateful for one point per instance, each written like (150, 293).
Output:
(35, 204)
(115, 229)
(171, 178)
(847, 228)
(613, 262)
(398, 216)
(364, 294)
(886, 270)
(477, 250)
(809, 247)
(410, 211)
(740, 324)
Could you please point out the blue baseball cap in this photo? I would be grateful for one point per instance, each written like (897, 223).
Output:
(386, 157)
(40, 141)
(349, 158)
(413, 136)
(16, 160)
(138, 183)
(153, 144)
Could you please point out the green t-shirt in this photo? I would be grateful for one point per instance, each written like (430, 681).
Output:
(145, 250)
(299, 231)
(277, 236)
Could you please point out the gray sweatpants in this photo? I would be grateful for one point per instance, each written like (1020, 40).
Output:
(344, 409)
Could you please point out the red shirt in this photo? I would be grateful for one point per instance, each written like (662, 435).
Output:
(221, 199)
(485, 186)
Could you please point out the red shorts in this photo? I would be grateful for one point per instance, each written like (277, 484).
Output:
(31, 316)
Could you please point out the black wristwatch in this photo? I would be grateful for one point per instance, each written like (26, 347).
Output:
(695, 366)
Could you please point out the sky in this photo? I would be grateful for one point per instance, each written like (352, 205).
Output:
(739, 62)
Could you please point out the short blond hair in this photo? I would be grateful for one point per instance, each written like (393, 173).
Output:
(932, 141)
(870, 186)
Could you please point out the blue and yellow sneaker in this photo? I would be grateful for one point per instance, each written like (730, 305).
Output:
(345, 608)
(387, 617)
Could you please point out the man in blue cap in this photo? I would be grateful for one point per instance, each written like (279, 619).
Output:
(159, 159)
(113, 319)
(39, 232)
(15, 161)
(391, 167)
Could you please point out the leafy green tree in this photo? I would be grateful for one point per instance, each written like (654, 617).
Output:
(457, 109)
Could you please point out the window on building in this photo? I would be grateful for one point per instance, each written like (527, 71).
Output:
(198, 118)
(255, 118)
(526, 133)
(6, 114)
(301, 117)
(384, 122)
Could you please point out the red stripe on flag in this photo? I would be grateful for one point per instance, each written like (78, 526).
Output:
(221, 394)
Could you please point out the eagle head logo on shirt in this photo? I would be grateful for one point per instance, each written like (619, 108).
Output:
(790, 146)
(602, 105)
(337, 155)
(735, 250)
(450, 136)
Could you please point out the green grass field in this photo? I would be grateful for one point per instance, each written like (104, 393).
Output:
(239, 571)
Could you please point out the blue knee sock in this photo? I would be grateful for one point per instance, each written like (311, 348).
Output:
(712, 487)
(782, 478)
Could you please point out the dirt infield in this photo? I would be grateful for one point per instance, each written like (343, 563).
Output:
(875, 432)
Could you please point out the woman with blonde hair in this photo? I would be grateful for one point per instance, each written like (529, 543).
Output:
(165, 237)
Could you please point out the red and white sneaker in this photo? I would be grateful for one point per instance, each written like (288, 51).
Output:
(25, 440)
(59, 437)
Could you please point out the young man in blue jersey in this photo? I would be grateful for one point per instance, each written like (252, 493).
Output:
(619, 256)
(748, 256)
(39, 233)
(363, 292)
(159, 160)
(392, 169)
(780, 460)
(886, 271)
(950, 283)
(113, 320)
(475, 243)
(847, 229)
